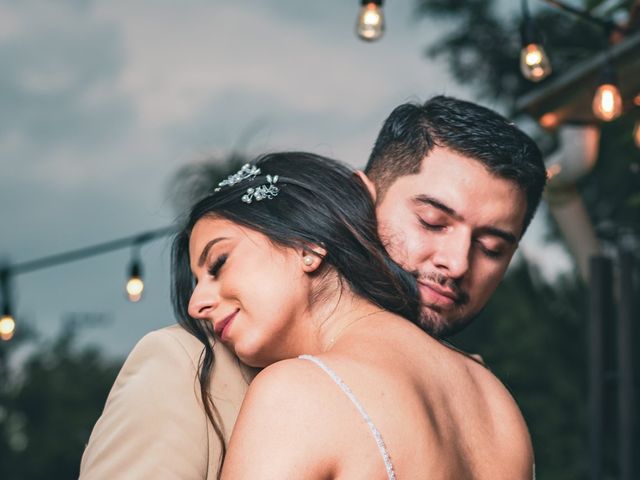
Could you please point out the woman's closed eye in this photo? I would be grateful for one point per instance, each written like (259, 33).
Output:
(215, 267)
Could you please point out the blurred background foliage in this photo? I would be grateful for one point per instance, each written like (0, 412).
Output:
(532, 334)
(48, 406)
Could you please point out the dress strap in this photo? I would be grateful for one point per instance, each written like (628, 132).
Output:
(345, 388)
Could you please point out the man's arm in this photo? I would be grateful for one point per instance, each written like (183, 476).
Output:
(153, 424)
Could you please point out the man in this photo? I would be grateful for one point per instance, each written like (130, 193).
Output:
(456, 186)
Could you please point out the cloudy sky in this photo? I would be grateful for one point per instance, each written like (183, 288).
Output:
(103, 101)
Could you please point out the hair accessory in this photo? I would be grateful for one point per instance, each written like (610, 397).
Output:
(247, 172)
(268, 190)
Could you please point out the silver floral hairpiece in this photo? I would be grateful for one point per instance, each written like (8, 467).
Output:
(250, 172)
(268, 191)
(247, 172)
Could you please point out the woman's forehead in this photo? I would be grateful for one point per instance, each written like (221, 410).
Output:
(216, 229)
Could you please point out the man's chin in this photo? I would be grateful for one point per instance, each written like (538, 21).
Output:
(440, 325)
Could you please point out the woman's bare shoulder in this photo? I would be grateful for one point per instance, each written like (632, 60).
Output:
(287, 383)
(283, 422)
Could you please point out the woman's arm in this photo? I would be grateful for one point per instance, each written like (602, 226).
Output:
(153, 424)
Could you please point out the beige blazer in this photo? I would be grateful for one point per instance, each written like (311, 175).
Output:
(153, 424)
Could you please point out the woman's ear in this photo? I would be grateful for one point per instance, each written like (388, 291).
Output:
(312, 257)
(367, 183)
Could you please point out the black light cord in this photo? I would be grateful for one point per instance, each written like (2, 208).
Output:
(608, 25)
(81, 253)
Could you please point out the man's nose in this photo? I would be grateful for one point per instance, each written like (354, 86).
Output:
(452, 255)
(203, 301)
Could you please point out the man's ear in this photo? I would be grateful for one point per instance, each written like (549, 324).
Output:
(367, 183)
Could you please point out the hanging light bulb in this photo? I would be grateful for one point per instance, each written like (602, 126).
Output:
(135, 285)
(534, 63)
(370, 25)
(7, 325)
(549, 120)
(607, 102)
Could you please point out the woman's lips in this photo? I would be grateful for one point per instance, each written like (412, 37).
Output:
(222, 327)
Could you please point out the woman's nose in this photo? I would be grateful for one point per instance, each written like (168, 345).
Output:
(203, 301)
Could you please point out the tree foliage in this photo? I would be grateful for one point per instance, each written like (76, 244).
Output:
(194, 181)
(49, 403)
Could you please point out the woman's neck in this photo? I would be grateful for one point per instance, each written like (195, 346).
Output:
(335, 319)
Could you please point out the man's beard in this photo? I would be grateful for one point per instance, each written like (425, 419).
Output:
(436, 324)
(432, 318)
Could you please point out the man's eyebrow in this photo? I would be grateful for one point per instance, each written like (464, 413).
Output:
(207, 248)
(498, 232)
(507, 236)
(427, 200)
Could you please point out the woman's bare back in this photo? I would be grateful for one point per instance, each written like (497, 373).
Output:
(440, 414)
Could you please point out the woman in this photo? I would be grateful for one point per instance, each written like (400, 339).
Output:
(290, 274)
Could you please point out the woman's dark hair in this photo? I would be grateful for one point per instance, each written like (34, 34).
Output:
(320, 202)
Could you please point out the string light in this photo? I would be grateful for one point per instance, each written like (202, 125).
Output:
(7, 323)
(7, 326)
(636, 133)
(134, 288)
(607, 102)
(549, 120)
(370, 24)
(534, 62)
(135, 285)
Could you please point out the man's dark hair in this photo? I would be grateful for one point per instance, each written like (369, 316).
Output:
(413, 130)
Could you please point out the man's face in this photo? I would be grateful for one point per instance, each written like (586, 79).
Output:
(457, 226)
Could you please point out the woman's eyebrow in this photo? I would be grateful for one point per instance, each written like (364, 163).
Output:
(207, 248)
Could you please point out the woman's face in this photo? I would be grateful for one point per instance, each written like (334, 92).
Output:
(255, 294)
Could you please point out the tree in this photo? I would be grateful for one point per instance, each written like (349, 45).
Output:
(49, 404)
(194, 181)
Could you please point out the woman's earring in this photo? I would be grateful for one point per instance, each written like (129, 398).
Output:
(308, 260)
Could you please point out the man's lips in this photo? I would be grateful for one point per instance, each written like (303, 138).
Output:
(219, 327)
(433, 294)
